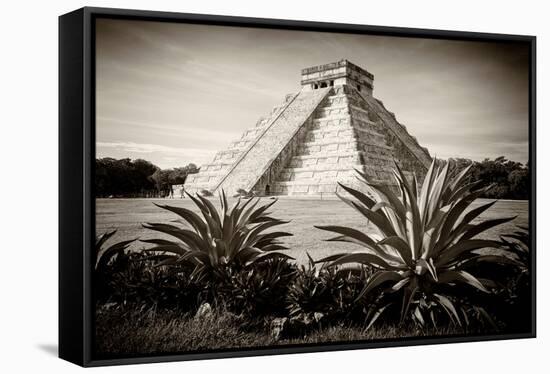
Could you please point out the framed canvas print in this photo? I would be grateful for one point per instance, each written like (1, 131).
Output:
(236, 186)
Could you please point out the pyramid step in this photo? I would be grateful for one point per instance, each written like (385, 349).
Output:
(304, 188)
(344, 124)
(328, 147)
(332, 140)
(389, 119)
(321, 167)
(202, 179)
(322, 134)
(241, 144)
(233, 148)
(315, 176)
(343, 158)
(332, 112)
(212, 172)
(215, 166)
(367, 131)
(334, 120)
(252, 134)
(373, 147)
(337, 100)
(341, 154)
(227, 157)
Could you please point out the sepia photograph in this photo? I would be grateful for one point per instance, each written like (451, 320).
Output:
(269, 187)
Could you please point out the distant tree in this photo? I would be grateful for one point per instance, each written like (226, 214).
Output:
(510, 178)
(519, 183)
(126, 177)
(123, 177)
(161, 178)
(179, 175)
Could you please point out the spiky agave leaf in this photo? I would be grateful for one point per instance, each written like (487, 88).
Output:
(519, 243)
(213, 239)
(428, 238)
(103, 256)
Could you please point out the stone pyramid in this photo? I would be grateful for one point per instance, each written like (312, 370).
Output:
(315, 139)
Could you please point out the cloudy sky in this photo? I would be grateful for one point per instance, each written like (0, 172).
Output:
(174, 93)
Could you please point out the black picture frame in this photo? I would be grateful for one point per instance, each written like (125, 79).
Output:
(76, 173)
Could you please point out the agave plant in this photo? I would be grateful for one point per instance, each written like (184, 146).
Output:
(236, 236)
(105, 256)
(424, 242)
(518, 242)
(516, 291)
(108, 261)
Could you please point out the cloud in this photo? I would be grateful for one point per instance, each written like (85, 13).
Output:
(179, 92)
(161, 155)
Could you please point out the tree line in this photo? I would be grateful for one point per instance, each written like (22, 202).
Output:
(136, 178)
(141, 178)
(511, 179)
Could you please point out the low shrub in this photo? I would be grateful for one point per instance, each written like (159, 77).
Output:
(261, 289)
(144, 282)
(512, 300)
(320, 294)
(125, 277)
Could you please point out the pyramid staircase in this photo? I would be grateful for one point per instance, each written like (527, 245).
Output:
(260, 149)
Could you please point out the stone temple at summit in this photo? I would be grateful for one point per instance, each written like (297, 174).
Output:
(316, 138)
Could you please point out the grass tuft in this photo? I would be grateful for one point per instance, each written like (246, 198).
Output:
(130, 331)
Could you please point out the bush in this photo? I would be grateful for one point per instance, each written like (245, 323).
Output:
(321, 294)
(144, 282)
(260, 290)
(512, 304)
(125, 277)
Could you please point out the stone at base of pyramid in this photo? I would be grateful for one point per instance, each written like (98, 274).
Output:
(316, 139)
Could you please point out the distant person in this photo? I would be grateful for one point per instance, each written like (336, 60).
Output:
(182, 193)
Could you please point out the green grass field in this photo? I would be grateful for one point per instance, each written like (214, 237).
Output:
(127, 215)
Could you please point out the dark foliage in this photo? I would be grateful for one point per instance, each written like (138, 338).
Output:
(164, 179)
(123, 177)
(510, 179)
(426, 245)
(511, 302)
(107, 262)
(321, 294)
(261, 289)
(125, 277)
(136, 178)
